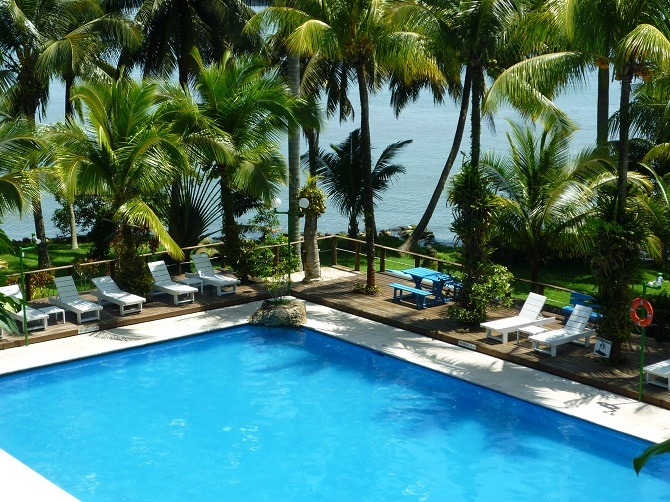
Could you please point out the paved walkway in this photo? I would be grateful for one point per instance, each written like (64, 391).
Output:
(610, 410)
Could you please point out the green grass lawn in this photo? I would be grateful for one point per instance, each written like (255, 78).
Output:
(573, 275)
(61, 254)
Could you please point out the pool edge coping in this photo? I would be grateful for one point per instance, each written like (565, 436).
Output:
(609, 410)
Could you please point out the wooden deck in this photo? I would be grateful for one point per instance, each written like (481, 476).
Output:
(573, 361)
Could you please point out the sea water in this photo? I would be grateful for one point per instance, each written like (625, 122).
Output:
(431, 129)
(255, 413)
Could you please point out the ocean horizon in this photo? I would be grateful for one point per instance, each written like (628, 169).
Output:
(431, 130)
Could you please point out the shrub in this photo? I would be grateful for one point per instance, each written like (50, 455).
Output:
(494, 286)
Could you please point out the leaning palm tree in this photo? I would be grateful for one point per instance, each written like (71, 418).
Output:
(544, 194)
(476, 38)
(125, 152)
(358, 35)
(341, 175)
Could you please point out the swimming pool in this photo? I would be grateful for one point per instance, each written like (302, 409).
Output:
(255, 414)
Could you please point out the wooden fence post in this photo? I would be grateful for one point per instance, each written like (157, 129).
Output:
(382, 260)
(333, 250)
(417, 261)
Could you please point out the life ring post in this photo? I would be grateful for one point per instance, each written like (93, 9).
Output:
(639, 305)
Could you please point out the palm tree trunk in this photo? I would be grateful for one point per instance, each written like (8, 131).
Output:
(353, 225)
(418, 231)
(69, 113)
(312, 262)
(293, 63)
(476, 115)
(624, 141)
(231, 233)
(366, 165)
(312, 136)
(603, 105)
(43, 260)
(73, 228)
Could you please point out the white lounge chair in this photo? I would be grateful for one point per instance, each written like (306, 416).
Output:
(659, 373)
(32, 315)
(108, 291)
(181, 293)
(529, 314)
(223, 285)
(574, 330)
(68, 298)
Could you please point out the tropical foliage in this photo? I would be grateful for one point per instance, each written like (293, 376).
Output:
(342, 177)
(474, 205)
(359, 36)
(234, 119)
(545, 195)
(125, 153)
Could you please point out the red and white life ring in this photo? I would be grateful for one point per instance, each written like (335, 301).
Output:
(641, 321)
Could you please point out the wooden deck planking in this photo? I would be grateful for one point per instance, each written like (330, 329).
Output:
(573, 361)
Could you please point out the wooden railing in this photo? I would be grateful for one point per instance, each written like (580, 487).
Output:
(339, 245)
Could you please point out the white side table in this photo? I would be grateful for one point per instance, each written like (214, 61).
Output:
(194, 281)
(55, 311)
(529, 330)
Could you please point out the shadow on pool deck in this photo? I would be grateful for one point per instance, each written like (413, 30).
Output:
(573, 361)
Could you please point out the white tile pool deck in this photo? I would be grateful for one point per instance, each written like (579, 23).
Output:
(646, 421)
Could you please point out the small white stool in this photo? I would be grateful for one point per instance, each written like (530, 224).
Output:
(193, 281)
(529, 330)
(55, 311)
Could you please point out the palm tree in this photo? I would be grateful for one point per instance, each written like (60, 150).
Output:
(480, 37)
(342, 177)
(126, 153)
(24, 28)
(17, 189)
(638, 36)
(174, 28)
(637, 33)
(246, 107)
(358, 35)
(80, 44)
(543, 194)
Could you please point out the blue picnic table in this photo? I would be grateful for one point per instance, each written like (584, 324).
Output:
(439, 280)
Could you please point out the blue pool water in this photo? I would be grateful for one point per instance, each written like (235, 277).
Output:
(257, 414)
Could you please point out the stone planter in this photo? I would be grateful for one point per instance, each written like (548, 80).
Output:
(282, 311)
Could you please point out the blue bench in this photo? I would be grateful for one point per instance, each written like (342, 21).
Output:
(419, 294)
(582, 299)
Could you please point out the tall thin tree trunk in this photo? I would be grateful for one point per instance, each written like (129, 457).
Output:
(312, 136)
(366, 165)
(603, 105)
(69, 112)
(73, 227)
(476, 115)
(418, 231)
(43, 260)
(624, 142)
(312, 262)
(293, 63)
